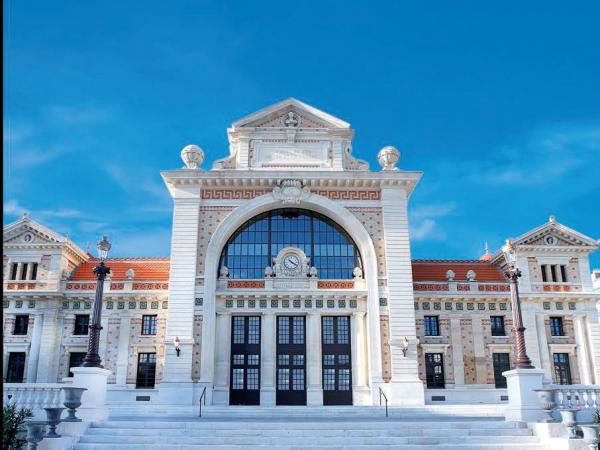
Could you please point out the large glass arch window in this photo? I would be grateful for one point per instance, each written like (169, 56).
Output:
(254, 245)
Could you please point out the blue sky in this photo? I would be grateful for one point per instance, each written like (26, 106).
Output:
(498, 105)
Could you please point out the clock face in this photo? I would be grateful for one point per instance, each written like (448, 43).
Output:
(291, 262)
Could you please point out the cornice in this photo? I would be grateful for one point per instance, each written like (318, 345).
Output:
(313, 179)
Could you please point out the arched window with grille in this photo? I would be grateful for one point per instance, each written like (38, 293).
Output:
(254, 245)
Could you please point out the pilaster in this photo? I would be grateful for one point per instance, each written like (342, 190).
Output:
(49, 346)
(223, 357)
(267, 354)
(407, 388)
(314, 393)
(34, 350)
(123, 351)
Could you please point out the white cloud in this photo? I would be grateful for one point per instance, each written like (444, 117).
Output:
(548, 154)
(79, 115)
(423, 226)
(12, 208)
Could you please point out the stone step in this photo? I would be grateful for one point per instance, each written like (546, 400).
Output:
(345, 424)
(303, 440)
(268, 432)
(487, 446)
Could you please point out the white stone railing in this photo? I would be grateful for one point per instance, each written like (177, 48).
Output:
(34, 396)
(576, 396)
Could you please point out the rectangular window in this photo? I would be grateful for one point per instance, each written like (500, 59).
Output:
(434, 370)
(75, 360)
(501, 364)
(13, 271)
(82, 324)
(146, 371)
(149, 325)
(544, 276)
(21, 325)
(556, 326)
(553, 272)
(497, 323)
(562, 369)
(431, 326)
(563, 272)
(16, 367)
(23, 275)
(34, 269)
(327, 330)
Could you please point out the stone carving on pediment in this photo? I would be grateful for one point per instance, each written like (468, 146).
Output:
(228, 162)
(291, 191)
(549, 240)
(289, 119)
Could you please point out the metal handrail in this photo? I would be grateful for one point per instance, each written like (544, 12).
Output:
(386, 401)
(202, 398)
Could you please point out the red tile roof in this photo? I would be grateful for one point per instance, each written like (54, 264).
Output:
(435, 270)
(146, 269)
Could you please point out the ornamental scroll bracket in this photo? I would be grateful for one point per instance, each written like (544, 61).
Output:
(290, 191)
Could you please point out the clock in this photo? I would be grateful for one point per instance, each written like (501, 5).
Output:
(291, 262)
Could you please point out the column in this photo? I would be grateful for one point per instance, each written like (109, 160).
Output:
(314, 392)
(29, 271)
(583, 354)
(406, 387)
(223, 349)
(361, 392)
(48, 359)
(457, 352)
(103, 339)
(19, 268)
(268, 346)
(123, 351)
(593, 333)
(543, 347)
(176, 386)
(34, 350)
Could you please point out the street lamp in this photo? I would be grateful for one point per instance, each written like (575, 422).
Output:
(92, 359)
(512, 273)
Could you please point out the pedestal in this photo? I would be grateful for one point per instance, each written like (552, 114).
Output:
(406, 393)
(93, 401)
(523, 402)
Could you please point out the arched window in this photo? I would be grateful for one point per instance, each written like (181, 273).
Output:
(254, 245)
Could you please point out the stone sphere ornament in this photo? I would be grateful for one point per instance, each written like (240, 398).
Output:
(388, 157)
(192, 156)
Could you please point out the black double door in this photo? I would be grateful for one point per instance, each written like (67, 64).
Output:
(337, 364)
(291, 360)
(244, 387)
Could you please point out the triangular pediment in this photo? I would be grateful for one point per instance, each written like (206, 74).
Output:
(291, 113)
(554, 234)
(26, 231)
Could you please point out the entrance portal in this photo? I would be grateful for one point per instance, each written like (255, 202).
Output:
(337, 372)
(245, 361)
(291, 360)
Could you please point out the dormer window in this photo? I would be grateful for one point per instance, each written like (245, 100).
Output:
(554, 273)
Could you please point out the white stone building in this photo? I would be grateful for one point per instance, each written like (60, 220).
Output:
(290, 281)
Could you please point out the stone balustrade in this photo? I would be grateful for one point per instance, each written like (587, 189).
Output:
(34, 396)
(576, 396)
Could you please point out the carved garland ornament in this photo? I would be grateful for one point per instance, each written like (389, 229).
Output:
(290, 191)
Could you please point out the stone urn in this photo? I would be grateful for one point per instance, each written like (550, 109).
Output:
(546, 397)
(569, 421)
(192, 156)
(53, 419)
(388, 157)
(35, 433)
(590, 435)
(72, 402)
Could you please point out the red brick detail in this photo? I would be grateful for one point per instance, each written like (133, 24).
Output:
(246, 284)
(463, 287)
(150, 286)
(556, 288)
(349, 195)
(429, 287)
(233, 194)
(494, 287)
(335, 284)
(81, 286)
(117, 286)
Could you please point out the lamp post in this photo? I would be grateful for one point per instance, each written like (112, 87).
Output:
(92, 359)
(512, 273)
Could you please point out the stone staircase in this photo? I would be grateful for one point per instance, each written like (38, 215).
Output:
(327, 428)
